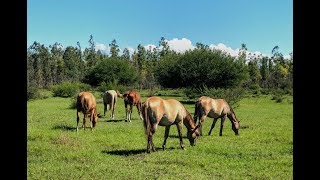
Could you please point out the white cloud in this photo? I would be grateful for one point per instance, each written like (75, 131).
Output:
(131, 50)
(103, 48)
(184, 44)
(226, 49)
(180, 45)
(149, 47)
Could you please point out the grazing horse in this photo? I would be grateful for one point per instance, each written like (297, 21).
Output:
(86, 103)
(157, 111)
(110, 99)
(132, 98)
(215, 108)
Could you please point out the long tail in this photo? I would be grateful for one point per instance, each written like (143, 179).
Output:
(146, 120)
(111, 103)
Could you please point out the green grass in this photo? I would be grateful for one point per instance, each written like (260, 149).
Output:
(116, 149)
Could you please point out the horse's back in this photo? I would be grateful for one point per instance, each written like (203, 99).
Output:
(214, 108)
(134, 97)
(109, 96)
(85, 102)
(166, 111)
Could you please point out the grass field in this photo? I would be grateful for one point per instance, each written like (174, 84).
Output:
(116, 149)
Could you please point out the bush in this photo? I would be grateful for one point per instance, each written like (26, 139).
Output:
(69, 89)
(111, 85)
(33, 93)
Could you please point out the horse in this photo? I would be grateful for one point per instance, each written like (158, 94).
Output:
(132, 98)
(157, 111)
(86, 103)
(110, 99)
(215, 108)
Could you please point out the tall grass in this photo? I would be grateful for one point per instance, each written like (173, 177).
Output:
(116, 149)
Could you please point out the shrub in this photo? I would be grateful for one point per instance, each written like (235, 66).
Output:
(32, 93)
(69, 89)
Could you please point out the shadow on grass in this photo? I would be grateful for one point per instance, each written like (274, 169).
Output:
(187, 102)
(115, 120)
(133, 152)
(64, 127)
(125, 152)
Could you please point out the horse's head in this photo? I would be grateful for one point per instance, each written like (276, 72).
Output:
(235, 124)
(96, 116)
(193, 135)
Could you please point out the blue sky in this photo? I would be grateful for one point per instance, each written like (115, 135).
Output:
(260, 24)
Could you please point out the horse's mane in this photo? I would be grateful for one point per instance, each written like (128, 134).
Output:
(188, 118)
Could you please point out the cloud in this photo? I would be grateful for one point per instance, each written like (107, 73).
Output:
(226, 49)
(103, 48)
(149, 47)
(180, 45)
(184, 44)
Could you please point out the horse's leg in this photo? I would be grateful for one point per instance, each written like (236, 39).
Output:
(213, 124)
(139, 110)
(105, 109)
(113, 107)
(78, 114)
(91, 119)
(130, 112)
(84, 121)
(179, 126)
(150, 140)
(203, 117)
(221, 125)
(166, 134)
(126, 107)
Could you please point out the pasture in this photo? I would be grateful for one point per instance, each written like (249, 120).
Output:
(116, 149)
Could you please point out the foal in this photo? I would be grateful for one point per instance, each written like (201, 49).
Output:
(215, 108)
(132, 98)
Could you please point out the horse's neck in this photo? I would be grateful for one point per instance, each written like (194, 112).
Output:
(188, 122)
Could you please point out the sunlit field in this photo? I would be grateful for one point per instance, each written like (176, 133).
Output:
(116, 149)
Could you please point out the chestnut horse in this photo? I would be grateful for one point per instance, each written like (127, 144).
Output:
(157, 111)
(110, 99)
(215, 108)
(132, 98)
(86, 103)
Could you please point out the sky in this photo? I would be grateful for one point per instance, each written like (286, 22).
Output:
(223, 24)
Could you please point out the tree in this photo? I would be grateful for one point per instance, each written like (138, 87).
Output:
(163, 45)
(91, 57)
(111, 70)
(254, 72)
(126, 54)
(114, 48)
(72, 64)
(57, 67)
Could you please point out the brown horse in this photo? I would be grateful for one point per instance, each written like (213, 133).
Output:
(110, 99)
(215, 108)
(132, 98)
(86, 103)
(157, 111)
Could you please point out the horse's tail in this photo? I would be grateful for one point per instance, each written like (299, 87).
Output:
(146, 120)
(111, 103)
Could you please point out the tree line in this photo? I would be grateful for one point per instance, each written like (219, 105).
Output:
(156, 67)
